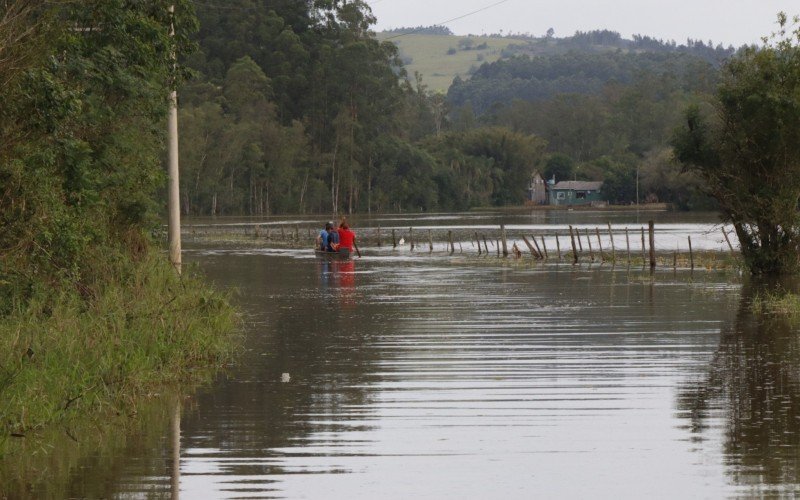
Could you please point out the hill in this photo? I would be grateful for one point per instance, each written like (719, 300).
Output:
(440, 56)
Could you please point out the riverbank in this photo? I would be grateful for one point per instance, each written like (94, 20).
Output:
(73, 360)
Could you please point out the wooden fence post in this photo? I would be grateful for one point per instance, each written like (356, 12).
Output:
(530, 247)
(691, 253)
(725, 233)
(652, 231)
(411, 237)
(644, 250)
(430, 242)
(574, 250)
(479, 243)
(589, 241)
(628, 245)
(558, 247)
(544, 247)
(613, 247)
(394, 239)
(450, 238)
(503, 238)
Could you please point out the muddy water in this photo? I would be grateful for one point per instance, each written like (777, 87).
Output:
(433, 377)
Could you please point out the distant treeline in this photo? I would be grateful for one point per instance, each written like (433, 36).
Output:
(420, 30)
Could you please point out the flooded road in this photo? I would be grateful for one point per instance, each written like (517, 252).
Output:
(433, 377)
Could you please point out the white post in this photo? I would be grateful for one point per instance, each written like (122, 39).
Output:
(174, 223)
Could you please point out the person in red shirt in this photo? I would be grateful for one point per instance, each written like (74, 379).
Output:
(347, 238)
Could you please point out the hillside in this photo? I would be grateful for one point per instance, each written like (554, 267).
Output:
(428, 55)
(441, 57)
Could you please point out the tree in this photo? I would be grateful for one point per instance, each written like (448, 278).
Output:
(749, 152)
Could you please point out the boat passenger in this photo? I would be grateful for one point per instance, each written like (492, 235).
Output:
(347, 238)
(333, 239)
(323, 239)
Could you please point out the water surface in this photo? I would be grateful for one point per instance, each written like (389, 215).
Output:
(450, 377)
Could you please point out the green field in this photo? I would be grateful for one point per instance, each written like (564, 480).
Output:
(429, 56)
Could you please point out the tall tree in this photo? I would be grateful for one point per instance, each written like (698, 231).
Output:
(749, 152)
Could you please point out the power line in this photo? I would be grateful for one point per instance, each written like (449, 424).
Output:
(449, 20)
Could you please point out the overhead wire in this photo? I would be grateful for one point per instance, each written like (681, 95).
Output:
(418, 30)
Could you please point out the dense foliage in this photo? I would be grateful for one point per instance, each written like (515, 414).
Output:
(299, 108)
(748, 151)
(80, 139)
(90, 317)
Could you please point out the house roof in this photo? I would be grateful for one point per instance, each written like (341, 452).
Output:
(578, 185)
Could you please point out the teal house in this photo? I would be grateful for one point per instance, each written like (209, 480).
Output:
(576, 193)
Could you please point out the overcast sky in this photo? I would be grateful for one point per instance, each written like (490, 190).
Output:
(733, 22)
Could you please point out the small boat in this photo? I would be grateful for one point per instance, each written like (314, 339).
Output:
(341, 254)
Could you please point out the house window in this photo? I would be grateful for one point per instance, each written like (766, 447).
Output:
(581, 195)
(561, 195)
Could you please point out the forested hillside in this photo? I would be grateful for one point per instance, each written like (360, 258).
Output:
(298, 109)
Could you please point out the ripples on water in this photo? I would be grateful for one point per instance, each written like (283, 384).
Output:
(433, 378)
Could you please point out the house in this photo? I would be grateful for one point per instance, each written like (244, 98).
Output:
(537, 190)
(575, 193)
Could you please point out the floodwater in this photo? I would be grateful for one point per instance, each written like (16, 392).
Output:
(439, 376)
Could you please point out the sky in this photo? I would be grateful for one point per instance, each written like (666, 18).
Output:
(730, 22)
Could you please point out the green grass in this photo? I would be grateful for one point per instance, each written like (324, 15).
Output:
(430, 58)
(72, 358)
(777, 304)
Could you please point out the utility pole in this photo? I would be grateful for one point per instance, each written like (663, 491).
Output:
(174, 223)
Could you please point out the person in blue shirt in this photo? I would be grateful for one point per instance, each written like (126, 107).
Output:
(324, 238)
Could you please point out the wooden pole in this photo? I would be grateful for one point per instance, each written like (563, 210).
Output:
(479, 243)
(173, 192)
(652, 231)
(380, 243)
(411, 237)
(691, 253)
(538, 250)
(485, 244)
(578, 234)
(599, 243)
(394, 239)
(498, 248)
(546, 257)
(613, 246)
(628, 245)
(530, 247)
(589, 241)
(450, 238)
(558, 247)
(644, 256)
(574, 250)
(725, 233)
(283, 233)
(503, 239)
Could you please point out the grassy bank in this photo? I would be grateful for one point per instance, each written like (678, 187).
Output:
(72, 357)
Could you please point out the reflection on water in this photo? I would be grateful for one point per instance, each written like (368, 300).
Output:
(752, 388)
(438, 377)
